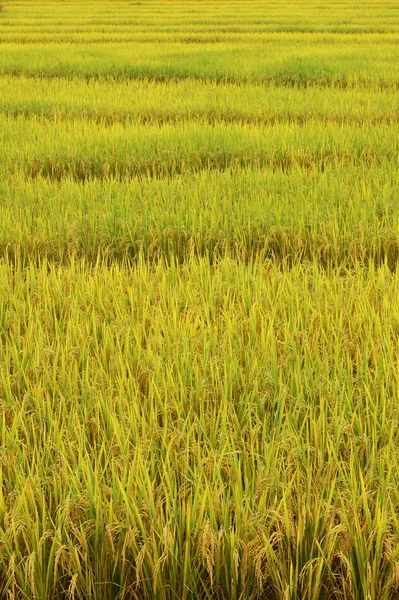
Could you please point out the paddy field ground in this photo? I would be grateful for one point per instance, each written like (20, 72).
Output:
(199, 300)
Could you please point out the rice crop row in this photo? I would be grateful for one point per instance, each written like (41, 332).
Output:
(189, 100)
(292, 15)
(204, 36)
(81, 150)
(339, 216)
(199, 432)
(283, 63)
(187, 22)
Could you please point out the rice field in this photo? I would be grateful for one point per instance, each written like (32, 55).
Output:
(199, 300)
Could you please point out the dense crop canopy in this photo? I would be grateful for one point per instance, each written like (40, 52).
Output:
(199, 300)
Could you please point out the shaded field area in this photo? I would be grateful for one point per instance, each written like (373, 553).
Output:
(199, 300)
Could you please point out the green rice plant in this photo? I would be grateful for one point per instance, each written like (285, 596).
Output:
(149, 102)
(283, 63)
(82, 151)
(340, 216)
(199, 301)
(198, 430)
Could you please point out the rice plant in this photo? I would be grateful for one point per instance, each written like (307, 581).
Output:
(199, 300)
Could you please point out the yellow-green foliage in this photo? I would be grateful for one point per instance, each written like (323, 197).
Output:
(223, 429)
(199, 300)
